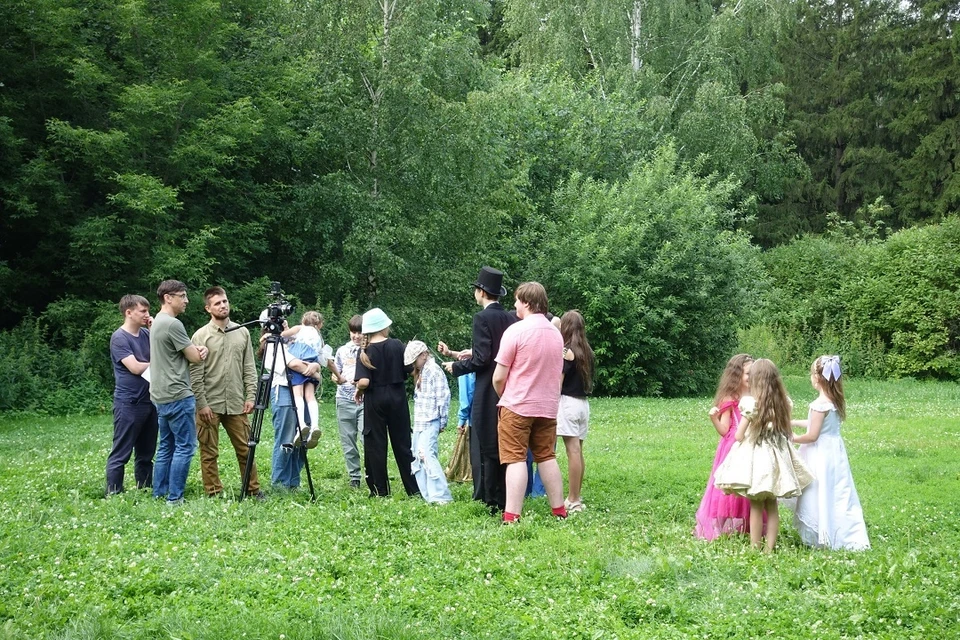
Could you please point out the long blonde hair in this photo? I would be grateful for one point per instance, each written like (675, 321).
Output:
(832, 388)
(772, 413)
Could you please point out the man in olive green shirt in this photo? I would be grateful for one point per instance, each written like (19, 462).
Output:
(224, 384)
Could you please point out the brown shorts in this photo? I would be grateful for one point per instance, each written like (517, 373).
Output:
(518, 433)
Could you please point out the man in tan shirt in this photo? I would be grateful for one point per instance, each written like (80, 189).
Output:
(224, 384)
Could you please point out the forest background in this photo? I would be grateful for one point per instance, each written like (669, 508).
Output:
(698, 177)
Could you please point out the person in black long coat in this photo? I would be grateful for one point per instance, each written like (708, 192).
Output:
(489, 479)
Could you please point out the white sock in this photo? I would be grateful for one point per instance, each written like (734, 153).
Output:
(297, 400)
(314, 413)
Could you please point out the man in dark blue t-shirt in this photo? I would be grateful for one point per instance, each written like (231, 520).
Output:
(134, 416)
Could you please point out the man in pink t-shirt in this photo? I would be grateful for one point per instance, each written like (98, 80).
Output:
(527, 378)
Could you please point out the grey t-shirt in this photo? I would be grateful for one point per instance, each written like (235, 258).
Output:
(169, 368)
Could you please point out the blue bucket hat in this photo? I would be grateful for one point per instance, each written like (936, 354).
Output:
(375, 320)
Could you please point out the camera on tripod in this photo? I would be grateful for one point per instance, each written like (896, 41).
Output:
(277, 310)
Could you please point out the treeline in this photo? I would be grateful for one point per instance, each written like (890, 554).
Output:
(631, 154)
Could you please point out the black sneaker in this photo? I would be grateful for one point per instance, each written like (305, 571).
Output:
(354, 484)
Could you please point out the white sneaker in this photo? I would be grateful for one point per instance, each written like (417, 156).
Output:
(574, 507)
(301, 435)
(313, 438)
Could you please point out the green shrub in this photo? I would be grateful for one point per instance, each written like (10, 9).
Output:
(909, 296)
(34, 376)
(21, 352)
(661, 279)
(890, 308)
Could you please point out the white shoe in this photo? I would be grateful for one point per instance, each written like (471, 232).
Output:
(301, 435)
(313, 438)
(574, 507)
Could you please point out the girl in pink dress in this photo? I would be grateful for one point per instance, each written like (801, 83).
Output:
(720, 513)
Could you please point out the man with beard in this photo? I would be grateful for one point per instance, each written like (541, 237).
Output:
(224, 385)
(489, 479)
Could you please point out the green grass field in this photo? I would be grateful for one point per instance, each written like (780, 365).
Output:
(76, 565)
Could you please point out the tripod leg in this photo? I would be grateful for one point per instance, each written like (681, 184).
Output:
(306, 465)
(256, 424)
(248, 470)
(261, 401)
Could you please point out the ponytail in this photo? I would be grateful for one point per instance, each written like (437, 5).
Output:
(364, 358)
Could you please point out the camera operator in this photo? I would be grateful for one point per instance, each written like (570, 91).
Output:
(287, 462)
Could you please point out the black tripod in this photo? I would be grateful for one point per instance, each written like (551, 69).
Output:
(262, 401)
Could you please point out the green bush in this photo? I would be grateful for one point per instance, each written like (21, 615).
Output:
(661, 279)
(35, 376)
(21, 351)
(909, 297)
(890, 307)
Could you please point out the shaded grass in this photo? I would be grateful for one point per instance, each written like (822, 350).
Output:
(75, 565)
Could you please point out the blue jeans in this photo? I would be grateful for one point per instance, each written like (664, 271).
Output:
(178, 443)
(535, 486)
(426, 465)
(287, 462)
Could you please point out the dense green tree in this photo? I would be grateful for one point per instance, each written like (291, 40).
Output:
(927, 121)
(700, 73)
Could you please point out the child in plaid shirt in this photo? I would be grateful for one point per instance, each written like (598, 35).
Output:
(431, 402)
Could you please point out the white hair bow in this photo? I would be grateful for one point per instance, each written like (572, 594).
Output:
(831, 367)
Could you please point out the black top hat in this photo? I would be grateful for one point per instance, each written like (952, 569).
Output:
(491, 281)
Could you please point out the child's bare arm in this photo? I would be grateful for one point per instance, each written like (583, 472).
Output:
(813, 427)
(291, 331)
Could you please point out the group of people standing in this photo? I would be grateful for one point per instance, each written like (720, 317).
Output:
(529, 382)
(523, 366)
(173, 393)
(756, 464)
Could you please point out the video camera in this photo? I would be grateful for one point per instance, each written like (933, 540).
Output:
(277, 310)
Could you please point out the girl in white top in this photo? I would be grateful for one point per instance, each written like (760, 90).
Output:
(828, 512)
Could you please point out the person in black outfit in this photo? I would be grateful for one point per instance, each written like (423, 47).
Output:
(380, 379)
(489, 476)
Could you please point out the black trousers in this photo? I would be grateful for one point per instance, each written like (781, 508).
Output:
(475, 465)
(135, 431)
(494, 482)
(385, 412)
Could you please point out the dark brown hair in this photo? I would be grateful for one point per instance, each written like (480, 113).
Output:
(169, 287)
(355, 324)
(486, 295)
(573, 330)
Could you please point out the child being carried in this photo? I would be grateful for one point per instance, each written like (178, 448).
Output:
(308, 346)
